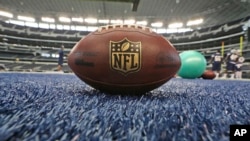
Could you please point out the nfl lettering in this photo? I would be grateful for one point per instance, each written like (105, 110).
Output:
(125, 56)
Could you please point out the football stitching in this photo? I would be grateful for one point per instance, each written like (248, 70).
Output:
(107, 27)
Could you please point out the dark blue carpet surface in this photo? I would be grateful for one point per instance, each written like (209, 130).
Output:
(51, 107)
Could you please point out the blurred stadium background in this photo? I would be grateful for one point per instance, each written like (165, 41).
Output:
(31, 31)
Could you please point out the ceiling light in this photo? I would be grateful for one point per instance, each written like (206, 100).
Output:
(48, 19)
(142, 23)
(17, 22)
(175, 25)
(194, 22)
(157, 24)
(31, 24)
(161, 30)
(25, 18)
(172, 30)
(72, 27)
(6, 14)
(178, 30)
(52, 26)
(184, 29)
(90, 20)
(74, 19)
(103, 21)
(64, 19)
(43, 25)
(59, 26)
(92, 28)
(81, 28)
(129, 21)
(116, 21)
(66, 27)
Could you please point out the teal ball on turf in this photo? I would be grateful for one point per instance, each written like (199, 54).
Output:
(193, 64)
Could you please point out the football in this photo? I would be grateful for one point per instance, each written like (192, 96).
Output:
(208, 74)
(124, 59)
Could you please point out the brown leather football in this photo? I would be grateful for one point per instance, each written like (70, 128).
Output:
(124, 59)
(208, 74)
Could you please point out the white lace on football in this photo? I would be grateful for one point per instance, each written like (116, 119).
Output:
(107, 27)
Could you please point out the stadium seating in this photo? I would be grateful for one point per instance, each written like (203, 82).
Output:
(34, 49)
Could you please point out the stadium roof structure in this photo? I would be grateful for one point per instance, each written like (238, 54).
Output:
(213, 12)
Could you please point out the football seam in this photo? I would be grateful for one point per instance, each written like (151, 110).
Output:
(108, 27)
(138, 31)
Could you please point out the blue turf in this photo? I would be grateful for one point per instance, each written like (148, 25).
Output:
(53, 107)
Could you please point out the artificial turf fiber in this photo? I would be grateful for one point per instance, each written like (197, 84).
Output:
(51, 107)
